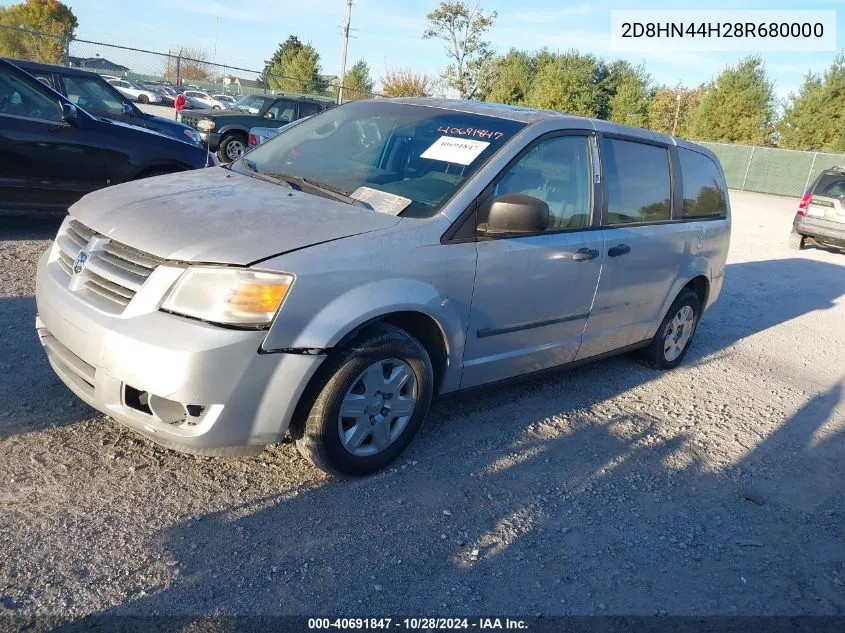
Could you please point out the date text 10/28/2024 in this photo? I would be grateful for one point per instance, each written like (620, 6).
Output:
(482, 624)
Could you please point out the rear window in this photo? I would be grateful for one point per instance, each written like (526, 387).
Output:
(704, 190)
(830, 185)
(637, 179)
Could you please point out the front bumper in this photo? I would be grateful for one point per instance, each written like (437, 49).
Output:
(212, 139)
(244, 399)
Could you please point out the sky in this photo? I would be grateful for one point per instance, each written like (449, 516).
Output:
(387, 34)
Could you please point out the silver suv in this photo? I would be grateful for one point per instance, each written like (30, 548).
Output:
(338, 277)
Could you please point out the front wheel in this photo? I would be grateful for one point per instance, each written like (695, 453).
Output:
(675, 333)
(368, 403)
(143, 99)
(231, 148)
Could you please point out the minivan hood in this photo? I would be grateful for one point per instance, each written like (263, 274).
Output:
(216, 215)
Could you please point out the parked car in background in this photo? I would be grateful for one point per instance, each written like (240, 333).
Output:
(377, 255)
(205, 98)
(259, 135)
(134, 91)
(227, 100)
(227, 131)
(53, 152)
(821, 212)
(96, 96)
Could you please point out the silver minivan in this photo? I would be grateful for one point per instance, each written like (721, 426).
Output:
(337, 278)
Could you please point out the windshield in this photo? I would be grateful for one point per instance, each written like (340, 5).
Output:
(251, 104)
(420, 153)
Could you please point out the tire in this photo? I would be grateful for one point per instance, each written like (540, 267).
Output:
(143, 99)
(657, 354)
(796, 240)
(231, 148)
(369, 441)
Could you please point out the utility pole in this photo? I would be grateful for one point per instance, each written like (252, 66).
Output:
(677, 113)
(343, 50)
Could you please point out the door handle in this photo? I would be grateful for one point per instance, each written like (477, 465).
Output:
(584, 254)
(619, 249)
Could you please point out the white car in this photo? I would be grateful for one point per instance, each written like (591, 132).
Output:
(207, 99)
(227, 100)
(135, 92)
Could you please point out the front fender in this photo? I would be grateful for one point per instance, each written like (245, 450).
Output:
(232, 128)
(368, 302)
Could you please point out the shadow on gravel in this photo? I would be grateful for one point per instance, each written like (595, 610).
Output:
(32, 396)
(554, 511)
(41, 226)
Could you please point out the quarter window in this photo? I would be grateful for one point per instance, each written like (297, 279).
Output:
(556, 171)
(637, 180)
(704, 189)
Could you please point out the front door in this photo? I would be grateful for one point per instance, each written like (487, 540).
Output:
(533, 294)
(44, 160)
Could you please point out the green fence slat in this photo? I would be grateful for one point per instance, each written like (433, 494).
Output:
(781, 172)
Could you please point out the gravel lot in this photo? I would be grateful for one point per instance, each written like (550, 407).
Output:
(716, 488)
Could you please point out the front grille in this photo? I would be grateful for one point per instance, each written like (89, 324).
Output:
(113, 273)
(189, 119)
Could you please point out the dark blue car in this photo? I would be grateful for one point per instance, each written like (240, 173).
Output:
(53, 152)
(91, 92)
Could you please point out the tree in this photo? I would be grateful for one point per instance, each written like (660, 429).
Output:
(814, 119)
(54, 20)
(627, 91)
(462, 28)
(295, 67)
(738, 107)
(194, 64)
(358, 84)
(403, 82)
(565, 82)
(511, 79)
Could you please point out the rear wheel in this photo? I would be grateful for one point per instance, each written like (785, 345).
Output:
(367, 404)
(231, 148)
(796, 240)
(143, 99)
(675, 333)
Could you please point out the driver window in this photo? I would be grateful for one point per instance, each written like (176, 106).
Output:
(556, 171)
(20, 99)
(90, 94)
(281, 110)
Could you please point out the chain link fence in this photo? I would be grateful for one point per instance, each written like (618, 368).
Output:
(184, 67)
(783, 172)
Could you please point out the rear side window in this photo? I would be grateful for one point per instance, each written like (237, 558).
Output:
(637, 180)
(704, 189)
(309, 109)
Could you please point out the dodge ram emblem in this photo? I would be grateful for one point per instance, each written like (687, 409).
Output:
(80, 262)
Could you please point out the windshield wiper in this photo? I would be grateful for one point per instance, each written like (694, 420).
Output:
(337, 194)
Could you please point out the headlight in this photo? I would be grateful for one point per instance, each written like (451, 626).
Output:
(206, 125)
(229, 296)
(193, 135)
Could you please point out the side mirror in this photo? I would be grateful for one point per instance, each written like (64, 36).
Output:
(69, 112)
(269, 115)
(515, 214)
(127, 109)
